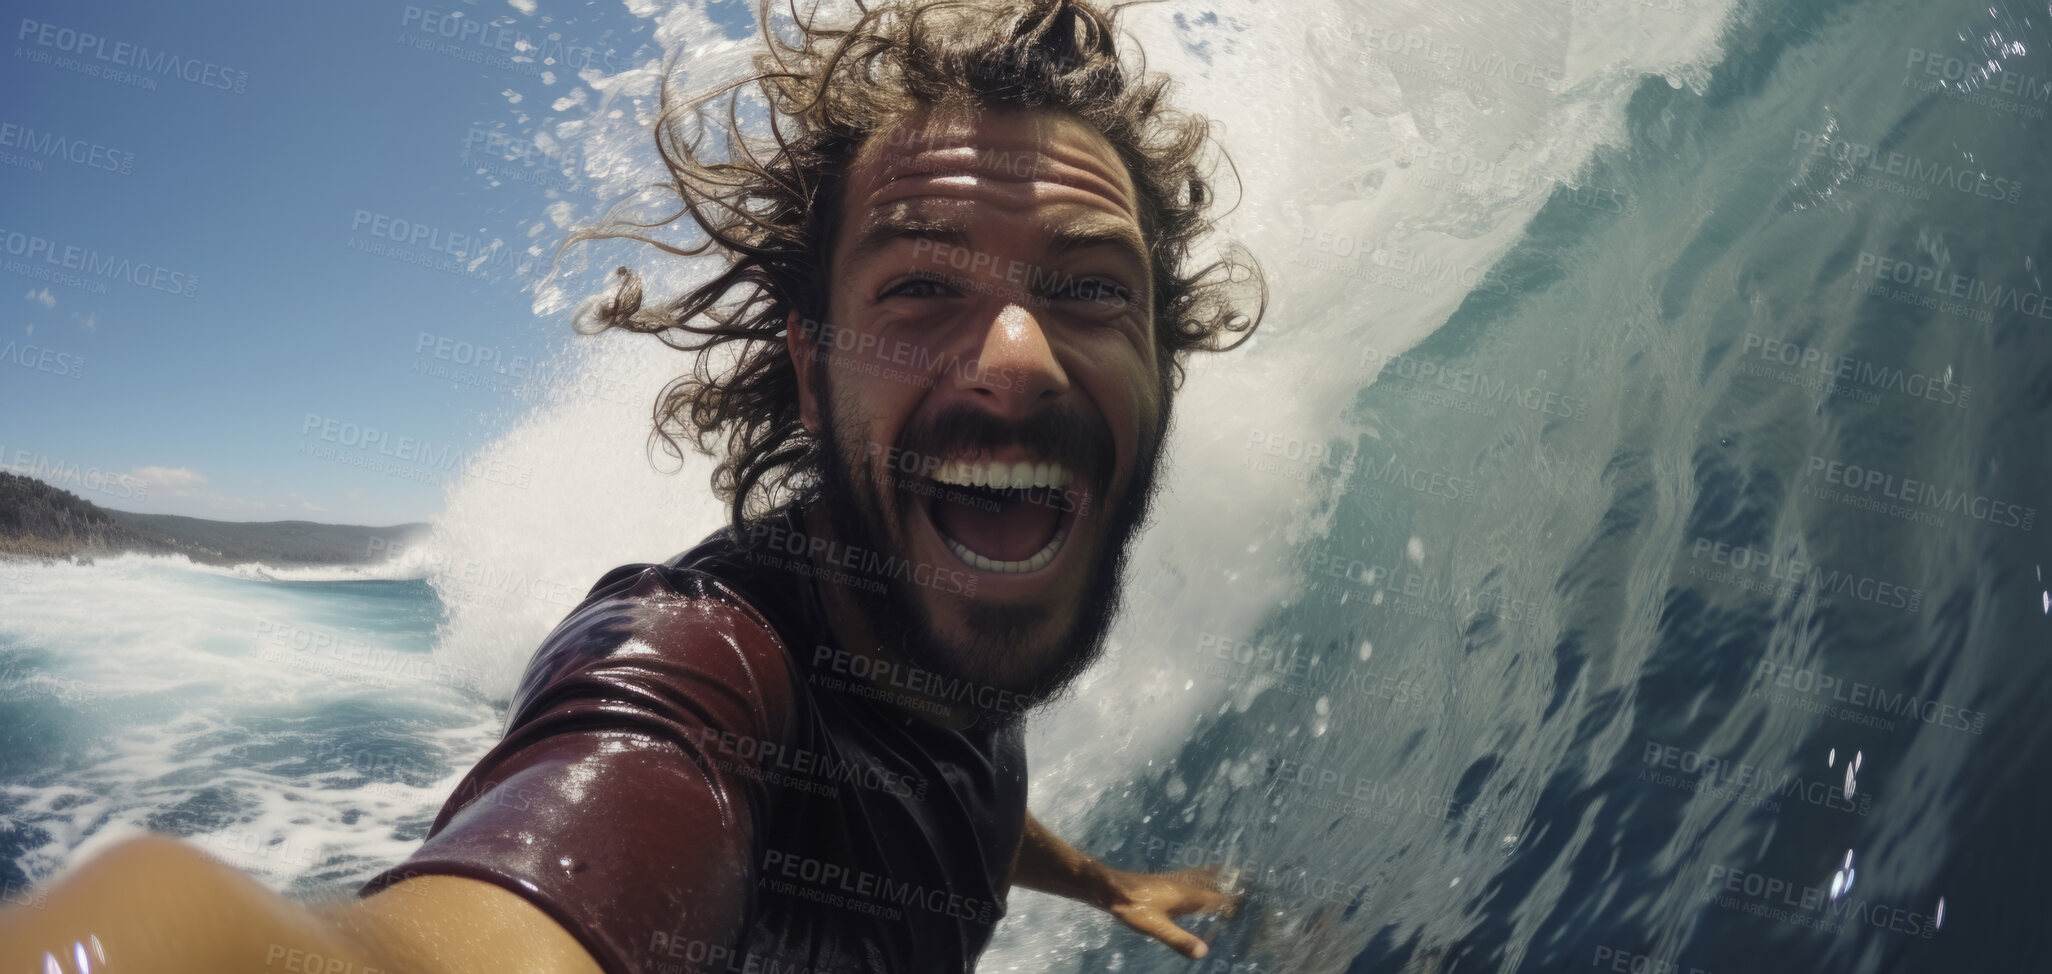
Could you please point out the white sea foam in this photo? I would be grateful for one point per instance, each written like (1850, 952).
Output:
(1358, 166)
(1334, 136)
(390, 569)
(1379, 188)
(215, 694)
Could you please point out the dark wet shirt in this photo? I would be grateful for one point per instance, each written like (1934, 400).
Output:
(694, 779)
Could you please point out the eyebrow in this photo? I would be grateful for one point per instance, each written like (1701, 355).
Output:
(887, 229)
(1118, 236)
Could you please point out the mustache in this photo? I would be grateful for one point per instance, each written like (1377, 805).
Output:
(1083, 444)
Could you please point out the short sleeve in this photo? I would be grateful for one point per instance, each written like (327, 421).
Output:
(617, 802)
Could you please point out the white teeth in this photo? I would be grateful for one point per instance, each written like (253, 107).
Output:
(1033, 564)
(1021, 474)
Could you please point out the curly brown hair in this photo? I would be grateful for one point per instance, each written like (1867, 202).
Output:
(828, 89)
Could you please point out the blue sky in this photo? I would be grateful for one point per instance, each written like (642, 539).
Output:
(193, 291)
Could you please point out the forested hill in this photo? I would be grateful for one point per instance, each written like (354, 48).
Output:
(44, 521)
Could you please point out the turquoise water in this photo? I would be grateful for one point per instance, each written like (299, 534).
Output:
(1606, 554)
(298, 729)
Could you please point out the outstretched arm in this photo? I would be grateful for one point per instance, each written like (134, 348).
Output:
(1147, 902)
(523, 816)
(160, 906)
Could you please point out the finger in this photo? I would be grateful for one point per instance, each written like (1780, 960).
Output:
(1213, 877)
(1202, 901)
(1230, 895)
(1161, 928)
(1208, 877)
(1205, 900)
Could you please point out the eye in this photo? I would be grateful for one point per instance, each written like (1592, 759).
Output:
(923, 286)
(1096, 290)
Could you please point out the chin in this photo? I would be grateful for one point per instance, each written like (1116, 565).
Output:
(1010, 646)
(1029, 532)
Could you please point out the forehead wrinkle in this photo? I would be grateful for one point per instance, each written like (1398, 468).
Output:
(1002, 165)
(1059, 140)
(931, 218)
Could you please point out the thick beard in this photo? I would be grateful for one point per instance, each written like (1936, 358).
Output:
(899, 620)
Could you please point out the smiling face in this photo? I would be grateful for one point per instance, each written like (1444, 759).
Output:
(987, 391)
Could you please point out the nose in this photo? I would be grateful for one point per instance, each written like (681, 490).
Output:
(1016, 371)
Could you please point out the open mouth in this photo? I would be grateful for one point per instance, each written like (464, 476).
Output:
(1008, 518)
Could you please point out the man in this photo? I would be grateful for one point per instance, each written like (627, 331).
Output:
(939, 365)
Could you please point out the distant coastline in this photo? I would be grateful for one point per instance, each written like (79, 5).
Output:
(43, 522)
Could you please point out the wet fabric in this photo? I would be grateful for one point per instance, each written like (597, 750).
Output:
(695, 778)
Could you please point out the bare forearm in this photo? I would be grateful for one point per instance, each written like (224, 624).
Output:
(158, 906)
(1147, 902)
(1050, 865)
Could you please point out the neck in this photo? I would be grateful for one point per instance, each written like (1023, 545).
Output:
(853, 635)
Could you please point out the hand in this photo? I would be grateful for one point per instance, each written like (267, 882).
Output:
(1150, 902)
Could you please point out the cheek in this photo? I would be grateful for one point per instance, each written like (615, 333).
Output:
(1129, 399)
(868, 414)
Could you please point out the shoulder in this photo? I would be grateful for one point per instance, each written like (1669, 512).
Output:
(657, 636)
